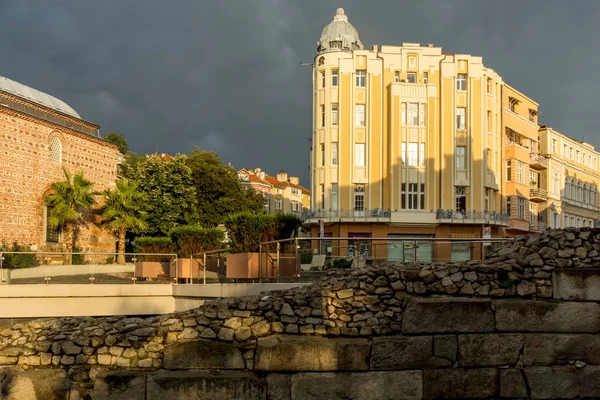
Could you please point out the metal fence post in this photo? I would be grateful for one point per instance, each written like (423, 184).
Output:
(204, 269)
(260, 262)
(278, 249)
(415, 248)
(296, 257)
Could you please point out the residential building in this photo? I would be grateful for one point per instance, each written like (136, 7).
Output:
(39, 136)
(283, 193)
(571, 181)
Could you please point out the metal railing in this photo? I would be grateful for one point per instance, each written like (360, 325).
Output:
(378, 214)
(490, 217)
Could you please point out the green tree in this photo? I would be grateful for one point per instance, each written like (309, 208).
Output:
(218, 188)
(128, 168)
(123, 211)
(119, 140)
(70, 205)
(247, 230)
(171, 195)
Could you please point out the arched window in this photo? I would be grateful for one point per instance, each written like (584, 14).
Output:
(56, 150)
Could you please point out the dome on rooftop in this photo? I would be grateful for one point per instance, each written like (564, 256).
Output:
(35, 96)
(339, 35)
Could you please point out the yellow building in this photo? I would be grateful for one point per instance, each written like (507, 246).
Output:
(571, 180)
(411, 141)
(283, 193)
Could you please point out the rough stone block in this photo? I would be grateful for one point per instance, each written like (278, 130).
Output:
(405, 352)
(358, 386)
(279, 386)
(589, 382)
(549, 349)
(214, 385)
(122, 385)
(489, 350)
(44, 384)
(311, 353)
(546, 316)
(203, 354)
(460, 383)
(577, 284)
(558, 382)
(448, 315)
(512, 384)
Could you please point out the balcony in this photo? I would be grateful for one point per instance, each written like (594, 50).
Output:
(374, 215)
(538, 161)
(537, 227)
(537, 195)
(472, 217)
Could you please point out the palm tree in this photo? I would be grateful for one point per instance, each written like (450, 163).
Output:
(123, 211)
(70, 205)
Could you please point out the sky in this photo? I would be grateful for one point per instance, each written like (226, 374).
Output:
(226, 76)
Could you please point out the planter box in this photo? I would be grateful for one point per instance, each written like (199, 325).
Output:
(183, 268)
(151, 269)
(246, 266)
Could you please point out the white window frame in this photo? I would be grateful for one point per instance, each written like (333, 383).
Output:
(359, 115)
(461, 158)
(361, 78)
(56, 150)
(334, 114)
(425, 77)
(411, 77)
(421, 114)
(334, 154)
(413, 154)
(359, 154)
(461, 82)
(403, 107)
(461, 118)
(278, 204)
(323, 78)
(413, 114)
(334, 77)
(334, 196)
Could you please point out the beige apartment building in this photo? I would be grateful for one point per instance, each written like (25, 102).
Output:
(283, 193)
(412, 141)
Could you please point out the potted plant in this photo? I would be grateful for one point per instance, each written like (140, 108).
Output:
(153, 266)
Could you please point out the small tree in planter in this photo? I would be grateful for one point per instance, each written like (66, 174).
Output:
(246, 230)
(152, 266)
(193, 239)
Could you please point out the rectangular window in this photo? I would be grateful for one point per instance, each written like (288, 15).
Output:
(323, 79)
(322, 155)
(295, 191)
(488, 159)
(403, 201)
(554, 142)
(583, 159)
(571, 153)
(322, 196)
(413, 154)
(508, 171)
(334, 196)
(334, 77)
(403, 114)
(422, 196)
(461, 118)
(403, 153)
(589, 161)
(489, 121)
(359, 154)
(413, 196)
(565, 151)
(295, 206)
(278, 204)
(532, 115)
(486, 204)
(361, 78)
(460, 157)
(461, 82)
(425, 77)
(512, 104)
(334, 114)
(461, 199)
(521, 208)
(359, 198)
(397, 76)
(421, 114)
(508, 206)
(413, 114)
(421, 154)
(578, 158)
(489, 86)
(334, 154)
(322, 116)
(359, 112)
(411, 77)
(521, 172)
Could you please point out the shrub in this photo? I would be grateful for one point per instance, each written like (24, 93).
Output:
(194, 239)
(78, 259)
(246, 230)
(288, 225)
(306, 257)
(19, 260)
(341, 263)
(110, 260)
(149, 244)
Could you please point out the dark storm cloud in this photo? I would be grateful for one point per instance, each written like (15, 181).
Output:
(226, 75)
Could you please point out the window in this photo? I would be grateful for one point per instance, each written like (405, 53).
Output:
(322, 196)
(403, 202)
(556, 181)
(589, 161)
(578, 158)
(278, 204)
(334, 77)
(520, 172)
(489, 121)
(532, 115)
(322, 116)
(296, 206)
(56, 150)
(565, 151)
(323, 79)
(421, 114)
(413, 154)
(461, 199)
(460, 157)
(403, 153)
(413, 196)
(508, 206)
(360, 78)
(508, 171)
(411, 77)
(521, 207)
(295, 191)
(359, 154)
(413, 114)
(425, 77)
(359, 112)
(52, 233)
(512, 104)
(334, 154)
(334, 193)
(486, 204)
(595, 163)
(397, 76)
(359, 197)
(334, 114)
(583, 159)
(421, 154)
(461, 118)
(322, 155)
(403, 114)
(422, 196)
(571, 153)
(489, 86)
(488, 159)
(461, 82)
(554, 145)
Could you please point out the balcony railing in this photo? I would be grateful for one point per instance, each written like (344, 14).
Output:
(372, 214)
(536, 194)
(537, 227)
(466, 217)
(538, 161)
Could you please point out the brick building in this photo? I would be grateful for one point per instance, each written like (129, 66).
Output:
(39, 135)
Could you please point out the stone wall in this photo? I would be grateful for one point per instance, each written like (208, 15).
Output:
(524, 329)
